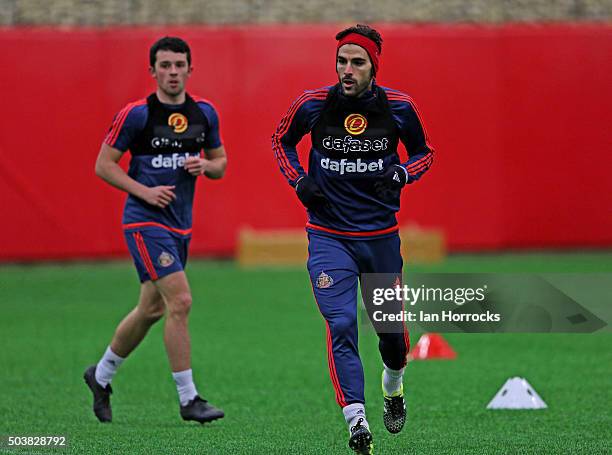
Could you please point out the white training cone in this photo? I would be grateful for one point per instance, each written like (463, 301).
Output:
(517, 393)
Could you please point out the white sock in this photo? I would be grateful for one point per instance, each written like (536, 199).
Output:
(185, 386)
(392, 380)
(107, 367)
(352, 414)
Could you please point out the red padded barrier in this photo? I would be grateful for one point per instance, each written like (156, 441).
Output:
(519, 115)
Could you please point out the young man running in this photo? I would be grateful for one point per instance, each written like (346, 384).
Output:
(165, 134)
(351, 193)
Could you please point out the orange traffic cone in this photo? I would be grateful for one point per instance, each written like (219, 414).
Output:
(432, 346)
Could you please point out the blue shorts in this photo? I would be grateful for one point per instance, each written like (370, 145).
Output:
(157, 252)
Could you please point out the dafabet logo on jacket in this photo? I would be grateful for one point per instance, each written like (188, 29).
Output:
(178, 122)
(355, 124)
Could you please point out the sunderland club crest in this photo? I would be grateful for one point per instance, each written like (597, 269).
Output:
(165, 259)
(324, 280)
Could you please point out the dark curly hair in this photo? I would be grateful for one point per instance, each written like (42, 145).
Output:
(364, 30)
(169, 43)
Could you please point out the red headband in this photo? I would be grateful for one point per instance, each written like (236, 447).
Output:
(362, 41)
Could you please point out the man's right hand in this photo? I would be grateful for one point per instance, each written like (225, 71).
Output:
(159, 196)
(310, 194)
(108, 169)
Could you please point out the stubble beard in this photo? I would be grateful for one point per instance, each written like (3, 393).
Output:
(357, 89)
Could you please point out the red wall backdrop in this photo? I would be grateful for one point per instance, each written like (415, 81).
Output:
(519, 114)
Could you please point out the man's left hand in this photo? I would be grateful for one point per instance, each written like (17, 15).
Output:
(196, 166)
(392, 180)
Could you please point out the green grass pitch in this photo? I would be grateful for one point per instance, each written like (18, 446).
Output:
(258, 345)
